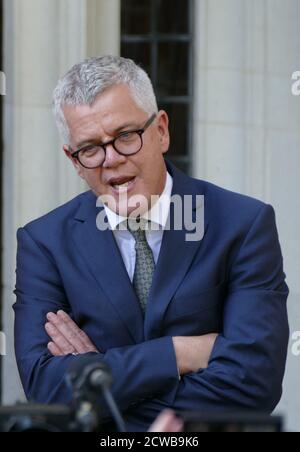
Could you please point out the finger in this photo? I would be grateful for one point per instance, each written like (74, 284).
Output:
(176, 426)
(59, 340)
(69, 335)
(72, 326)
(166, 422)
(74, 334)
(54, 349)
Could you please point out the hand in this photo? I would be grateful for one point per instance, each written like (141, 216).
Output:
(66, 336)
(193, 352)
(166, 422)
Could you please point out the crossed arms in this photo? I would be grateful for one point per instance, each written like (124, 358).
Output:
(240, 369)
(192, 353)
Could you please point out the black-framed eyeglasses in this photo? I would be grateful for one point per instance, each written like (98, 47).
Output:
(127, 143)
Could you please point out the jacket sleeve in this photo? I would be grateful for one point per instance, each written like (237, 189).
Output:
(138, 371)
(247, 363)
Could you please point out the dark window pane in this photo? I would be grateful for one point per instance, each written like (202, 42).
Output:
(167, 61)
(173, 69)
(136, 16)
(139, 52)
(178, 116)
(172, 16)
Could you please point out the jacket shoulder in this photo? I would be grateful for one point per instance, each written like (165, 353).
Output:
(227, 202)
(58, 217)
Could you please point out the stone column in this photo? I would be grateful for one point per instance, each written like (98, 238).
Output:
(103, 31)
(43, 38)
(246, 123)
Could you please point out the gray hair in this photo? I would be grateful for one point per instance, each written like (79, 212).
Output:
(86, 80)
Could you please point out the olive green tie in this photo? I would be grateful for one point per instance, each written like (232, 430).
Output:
(144, 262)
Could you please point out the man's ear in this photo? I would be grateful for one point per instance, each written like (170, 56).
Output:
(75, 162)
(163, 130)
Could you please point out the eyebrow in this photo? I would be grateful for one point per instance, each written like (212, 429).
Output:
(128, 125)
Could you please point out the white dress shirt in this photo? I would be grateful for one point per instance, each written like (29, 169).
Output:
(158, 216)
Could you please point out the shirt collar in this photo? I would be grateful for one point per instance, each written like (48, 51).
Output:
(158, 214)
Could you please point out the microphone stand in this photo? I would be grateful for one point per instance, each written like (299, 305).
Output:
(89, 376)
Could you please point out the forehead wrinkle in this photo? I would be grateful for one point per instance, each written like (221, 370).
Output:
(103, 120)
(104, 132)
(87, 131)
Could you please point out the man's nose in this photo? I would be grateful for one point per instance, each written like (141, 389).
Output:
(112, 157)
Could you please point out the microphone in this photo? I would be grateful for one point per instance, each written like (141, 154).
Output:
(90, 377)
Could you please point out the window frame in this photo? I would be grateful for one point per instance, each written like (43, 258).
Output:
(153, 38)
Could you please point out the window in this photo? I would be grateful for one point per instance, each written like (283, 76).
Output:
(158, 35)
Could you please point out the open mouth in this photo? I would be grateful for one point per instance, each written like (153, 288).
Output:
(122, 184)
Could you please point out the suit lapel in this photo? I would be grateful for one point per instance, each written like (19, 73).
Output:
(104, 260)
(175, 258)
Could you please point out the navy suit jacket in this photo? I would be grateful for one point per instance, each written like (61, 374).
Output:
(230, 282)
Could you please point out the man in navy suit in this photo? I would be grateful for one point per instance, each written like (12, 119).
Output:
(190, 324)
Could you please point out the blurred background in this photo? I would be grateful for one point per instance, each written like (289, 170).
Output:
(223, 71)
